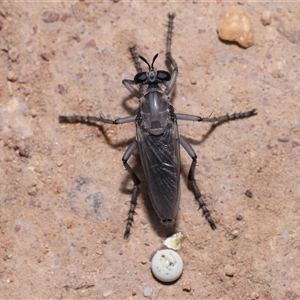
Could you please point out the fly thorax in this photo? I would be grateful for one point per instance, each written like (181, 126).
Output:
(154, 109)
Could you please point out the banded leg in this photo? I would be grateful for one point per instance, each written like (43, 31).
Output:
(169, 32)
(136, 182)
(129, 83)
(191, 177)
(169, 56)
(232, 117)
(94, 120)
(126, 156)
(221, 119)
(135, 59)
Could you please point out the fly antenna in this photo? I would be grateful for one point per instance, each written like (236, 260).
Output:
(145, 60)
(154, 58)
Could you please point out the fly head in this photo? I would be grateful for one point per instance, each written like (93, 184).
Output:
(152, 76)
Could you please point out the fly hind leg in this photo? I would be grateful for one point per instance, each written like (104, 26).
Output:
(136, 182)
(191, 178)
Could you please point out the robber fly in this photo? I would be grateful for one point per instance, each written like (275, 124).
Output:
(157, 137)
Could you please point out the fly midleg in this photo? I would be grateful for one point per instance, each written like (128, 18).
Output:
(221, 119)
(136, 182)
(94, 120)
(191, 177)
(126, 156)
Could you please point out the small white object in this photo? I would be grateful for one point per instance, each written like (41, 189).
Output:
(147, 290)
(174, 241)
(167, 265)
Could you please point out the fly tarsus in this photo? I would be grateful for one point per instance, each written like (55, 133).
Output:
(198, 196)
(169, 32)
(85, 119)
(135, 59)
(232, 117)
(131, 212)
(136, 182)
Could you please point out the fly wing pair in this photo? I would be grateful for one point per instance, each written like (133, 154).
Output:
(160, 157)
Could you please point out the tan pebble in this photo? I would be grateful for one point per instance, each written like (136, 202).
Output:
(91, 44)
(254, 295)
(12, 76)
(59, 163)
(24, 152)
(33, 112)
(235, 26)
(18, 169)
(80, 100)
(277, 74)
(229, 270)
(193, 81)
(186, 218)
(113, 229)
(29, 49)
(186, 286)
(235, 233)
(32, 191)
(69, 223)
(50, 16)
(243, 272)
(45, 56)
(61, 89)
(13, 54)
(18, 228)
(225, 297)
(7, 159)
(266, 17)
(64, 17)
(249, 193)
(13, 105)
(107, 293)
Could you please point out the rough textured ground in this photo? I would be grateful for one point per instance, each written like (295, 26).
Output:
(64, 192)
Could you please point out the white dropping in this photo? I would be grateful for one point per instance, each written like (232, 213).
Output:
(174, 241)
(167, 265)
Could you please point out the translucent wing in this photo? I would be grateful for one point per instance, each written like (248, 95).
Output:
(160, 158)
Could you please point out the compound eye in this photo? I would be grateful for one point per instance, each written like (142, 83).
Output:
(140, 77)
(163, 75)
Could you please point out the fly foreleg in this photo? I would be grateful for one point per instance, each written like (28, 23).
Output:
(169, 56)
(136, 182)
(135, 59)
(191, 177)
(129, 86)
